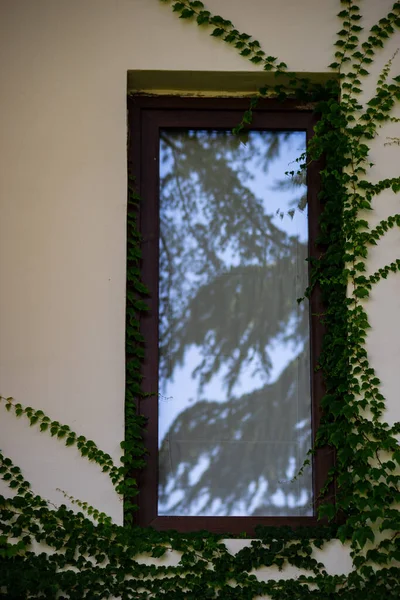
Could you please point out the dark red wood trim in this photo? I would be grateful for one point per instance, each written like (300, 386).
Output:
(146, 115)
(324, 459)
(229, 525)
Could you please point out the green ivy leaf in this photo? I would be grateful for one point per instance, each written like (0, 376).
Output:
(187, 13)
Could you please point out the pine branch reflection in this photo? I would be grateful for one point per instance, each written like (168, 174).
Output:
(234, 343)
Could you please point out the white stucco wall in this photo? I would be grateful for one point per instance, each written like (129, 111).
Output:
(63, 69)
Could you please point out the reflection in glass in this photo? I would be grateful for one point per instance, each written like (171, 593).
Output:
(234, 368)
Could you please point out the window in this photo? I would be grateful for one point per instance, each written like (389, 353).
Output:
(230, 354)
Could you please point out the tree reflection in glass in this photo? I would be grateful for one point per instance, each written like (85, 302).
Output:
(234, 368)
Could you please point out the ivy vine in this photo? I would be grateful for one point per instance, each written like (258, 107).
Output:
(84, 555)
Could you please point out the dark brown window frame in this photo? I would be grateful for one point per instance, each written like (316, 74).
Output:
(146, 116)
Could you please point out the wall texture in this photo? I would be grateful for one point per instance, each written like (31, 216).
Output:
(63, 72)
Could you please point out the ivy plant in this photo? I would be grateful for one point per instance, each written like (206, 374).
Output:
(50, 552)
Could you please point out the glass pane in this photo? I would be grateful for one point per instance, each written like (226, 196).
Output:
(234, 370)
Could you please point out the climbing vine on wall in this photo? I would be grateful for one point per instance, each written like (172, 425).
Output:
(84, 554)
